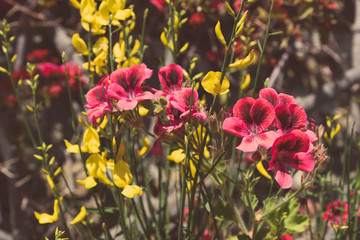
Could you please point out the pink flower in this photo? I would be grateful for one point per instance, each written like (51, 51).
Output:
(98, 102)
(125, 86)
(251, 118)
(197, 19)
(75, 74)
(170, 78)
(274, 98)
(333, 213)
(159, 4)
(286, 237)
(49, 70)
(291, 150)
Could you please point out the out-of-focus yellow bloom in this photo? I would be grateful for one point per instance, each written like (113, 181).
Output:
(79, 44)
(166, 43)
(119, 51)
(244, 62)
(219, 34)
(51, 184)
(88, 182)
(80, 216)
(211, 83)
(262, 171)
(143, 111)
(91, 142)
(44, 218)
(145, 148)
(131, 190)
(177, 156)
(246, 82)
(75, 4)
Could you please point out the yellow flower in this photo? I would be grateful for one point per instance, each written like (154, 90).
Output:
(44, 218)
(166, 43)
(91, 142)
(262, 171)
(177, 156)
(131, 190)
(246, 82)
(145, 148)
(211, 83)
(51, 184)
(79, 44)
(219, 34)
(88, 182)
(80, 216)
(244, 62)
(121, 174)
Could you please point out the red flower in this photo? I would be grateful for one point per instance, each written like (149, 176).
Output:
(274, 98)
(170, 78)
(125, 86)
(37, 55)
(286, 237)
(159, 4)
(251, 118)
(197, 19)
(333, 213)
(49, 70)
(291, 150)
(98, 102)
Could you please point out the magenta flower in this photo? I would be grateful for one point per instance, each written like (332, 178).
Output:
(170, 77)
(274, 98)
(291, 117)
(251, 118)
(290, 150)
(48, 69)
(98, 102)
(125, 86)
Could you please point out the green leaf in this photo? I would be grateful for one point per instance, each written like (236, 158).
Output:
(224, 211)
(295, 223)
(243, 237)
(252, 198)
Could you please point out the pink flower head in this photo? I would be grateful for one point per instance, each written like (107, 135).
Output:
(37, 55)
(286, 237)
(170, 78)
(274, 98)
(74, 73)
(125, 86)
(181, 101)
(333, 213)
(98, 102)
(251, 118)
(291, 150)
(49, 70)
(159, 4)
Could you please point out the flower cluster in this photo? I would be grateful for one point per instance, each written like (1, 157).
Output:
(274, 121)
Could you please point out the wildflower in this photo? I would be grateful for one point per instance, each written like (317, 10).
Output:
(251, 118)
(286, 237)
(274, 98)
(292, 150)
(177, 155)
(196, 19)
(78, 218)
(122, 178)
(244, 62)
(170, 78)
(91, 142)
(37, 55)
(336, 213)
(49, 70)
(125, 86)
(97, 100)
(44, 218)
(211, 83)
(159, 4)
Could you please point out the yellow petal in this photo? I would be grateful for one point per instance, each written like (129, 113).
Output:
(219, 34)
(121, 151)
(177, 156)
(122, 14)
(103, 15)
(131, 190)
(92, 164)
(79, 44)
(44, 218)
(166, 43)
(51, 184)
(262, 171)
(246, 82)
(75, 4)
(91, 140)
(121, 174)
(88, 182)
(71, 148)
(241, 63)
(101, 45)
(145, 148)
(135, 48)
(211, 83)
(143, 111)
(80, 216)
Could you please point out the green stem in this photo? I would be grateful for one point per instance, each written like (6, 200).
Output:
(143, 34)
(263, 48)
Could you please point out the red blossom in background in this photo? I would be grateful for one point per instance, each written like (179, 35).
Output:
(336, 213)
(196, 19)
(159, 4)
(251, 119)
(125, 86)
(290, 150)
(48, 69)
(37, 55)
(286, 237)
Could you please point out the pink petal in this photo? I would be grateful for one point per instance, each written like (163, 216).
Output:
(248, 144)
(116, 92)
(95, 96)
(171, 77)
(136, 75)
(302, 141)
(312, 136)
(282, 176)
(270, 95)
(202, 115)
(298, 116)
(283, 116)
(144, 96)
(266, 139)
(301, 161)
(262, 113)
(119, 77)
(235, 126)
(285, 142)
(287, 99)
(127, 104)
(181, 99)
(242, 109)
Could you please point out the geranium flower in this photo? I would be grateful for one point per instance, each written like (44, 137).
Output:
(159, 4)
(125, 86)
(98, 102)
(274, 98)
(290, 150)
(48, 69)
(170, 78)
(251, 118)
(333, 213)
